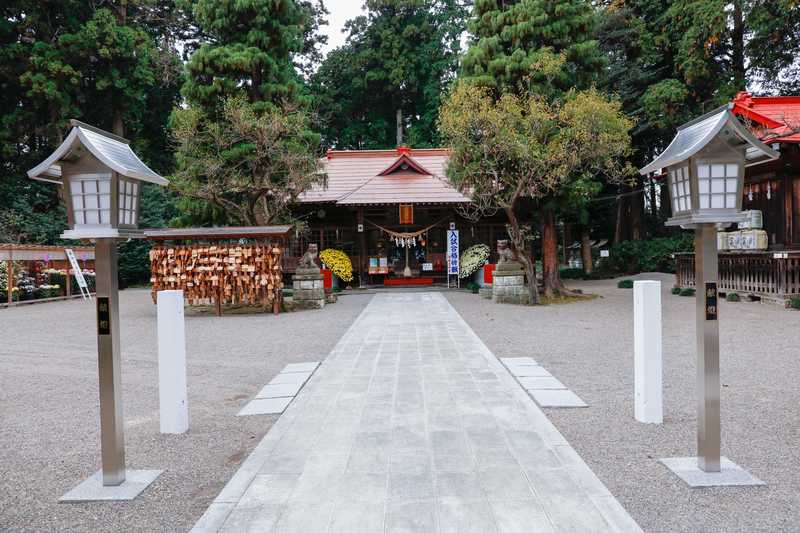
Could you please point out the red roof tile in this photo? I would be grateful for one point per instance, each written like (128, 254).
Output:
(773, 118)
(358, 177)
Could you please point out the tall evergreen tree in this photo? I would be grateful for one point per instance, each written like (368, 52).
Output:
(74, 59)
(547, 48)
(385, 84)
(248, 48)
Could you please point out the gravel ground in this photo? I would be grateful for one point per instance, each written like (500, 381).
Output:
(589, 346)
(49, 415)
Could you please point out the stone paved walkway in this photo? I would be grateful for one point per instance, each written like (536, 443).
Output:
(412, 424)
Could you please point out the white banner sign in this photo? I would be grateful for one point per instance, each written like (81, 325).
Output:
(452, 251)
(76, 268)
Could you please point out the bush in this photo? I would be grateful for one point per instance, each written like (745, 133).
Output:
(625, 284)
(676, 290)
(653, 255)
(474, 287)
(687, 292)
(732, 297)
(572, 273)
(795, 303)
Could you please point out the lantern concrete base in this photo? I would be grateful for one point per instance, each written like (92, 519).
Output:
(508, 286)
(93, 490)
(730, 475)
(308, 289)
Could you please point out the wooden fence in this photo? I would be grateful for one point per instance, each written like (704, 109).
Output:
(773, 275)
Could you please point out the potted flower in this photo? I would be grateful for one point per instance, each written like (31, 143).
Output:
(337, 262)
(472, 260)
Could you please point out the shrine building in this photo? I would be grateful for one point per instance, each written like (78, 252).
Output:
(379, 205)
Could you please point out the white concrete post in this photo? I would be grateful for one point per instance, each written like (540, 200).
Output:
(648, 406)
(173, 408)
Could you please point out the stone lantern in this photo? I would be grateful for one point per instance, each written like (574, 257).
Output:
(101, 180)
(705, 165)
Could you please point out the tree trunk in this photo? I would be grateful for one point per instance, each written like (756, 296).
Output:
(737, 52)
(666, 208)
(523, 256)
(399, 125)
(552, 281)
(118, 127)
(637, 215)
(586, 252)
(622, 212)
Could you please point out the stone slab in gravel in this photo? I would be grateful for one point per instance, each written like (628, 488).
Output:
(300, 367)
(589, 346)
(265, 406)
(533, 371)
(556, 398)
(92, 489)
(280, 390)
(542, 383)
(49, 416)
(730, 474)
(290, 377)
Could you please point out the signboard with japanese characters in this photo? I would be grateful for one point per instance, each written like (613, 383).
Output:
(711, 301)
(452, 251)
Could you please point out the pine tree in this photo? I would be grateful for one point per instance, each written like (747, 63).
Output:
(248, 48)
(511, 37)
(390, 74)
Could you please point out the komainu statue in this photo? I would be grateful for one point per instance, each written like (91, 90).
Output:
(309, 259)
(506, 259)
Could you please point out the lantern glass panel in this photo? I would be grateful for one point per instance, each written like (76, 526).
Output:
(128, 199)
(91, 199)
(717, 185)
(681, 189)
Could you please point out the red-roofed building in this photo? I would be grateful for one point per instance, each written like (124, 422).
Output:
(774, 188)
(403, 190)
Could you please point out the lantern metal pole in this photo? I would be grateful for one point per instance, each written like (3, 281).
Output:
(708, 381)
(112, 438)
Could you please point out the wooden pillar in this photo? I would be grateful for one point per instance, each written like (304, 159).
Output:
(362, 246)
(10, 282)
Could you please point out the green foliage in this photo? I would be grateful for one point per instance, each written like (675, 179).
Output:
(251, 163)
(473, 287)
(107, 64)
(247, 49)
(625, 284)
(732, 297)
(687, 292)
(572, 273)
(524, 146)
(676, 290)
(795, 303)
(652, 255)
(514, 43)
(399, 56)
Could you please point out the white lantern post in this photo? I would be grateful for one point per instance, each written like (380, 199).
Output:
(101, 181)
(705, 165)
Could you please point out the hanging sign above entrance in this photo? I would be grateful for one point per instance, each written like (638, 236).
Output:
(406, 213)
(452, 251)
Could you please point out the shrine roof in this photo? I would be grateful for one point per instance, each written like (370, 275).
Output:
(403, 175)
(772, 118)
(221, 233)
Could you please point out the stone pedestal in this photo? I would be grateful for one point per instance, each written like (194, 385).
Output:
(508, 284)
(486, 291)
(308, 289)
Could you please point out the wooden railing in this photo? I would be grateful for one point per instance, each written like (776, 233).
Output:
(759, 273)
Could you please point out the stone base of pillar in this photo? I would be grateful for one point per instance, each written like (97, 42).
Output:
(508, 286)
(486, 291)
(307, 289)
